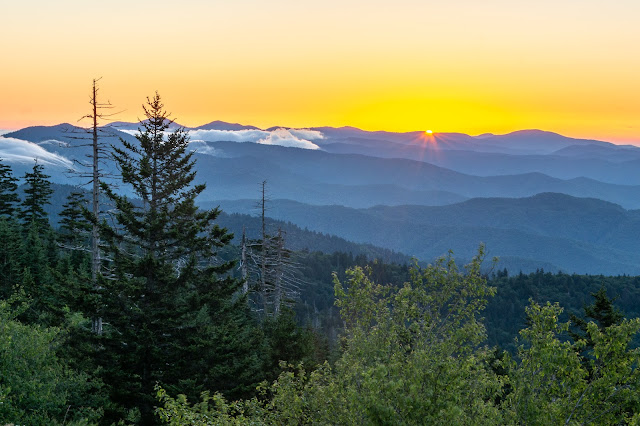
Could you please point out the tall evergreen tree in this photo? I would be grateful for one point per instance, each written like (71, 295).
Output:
(604, 314)
(40, 252)
(11, 256)
(8, 187)
(11, 247)
(602, 311)
(37, 195)
(172, 311)
(74, 226)
(38, 281)
(74, 233)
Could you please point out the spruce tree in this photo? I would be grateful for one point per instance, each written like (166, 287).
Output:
(11, 256)
(604, 314)
(74, 226)
(73, 266)
(36, 196)
(171, 310)
(602, 311)
(40, 253)
(45, 305)
(11, 247)
(8, 187)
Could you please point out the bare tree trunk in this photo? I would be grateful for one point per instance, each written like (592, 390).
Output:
(268, 265)
(96, 322)
(278, 275)
(263, 266)
(243, 265)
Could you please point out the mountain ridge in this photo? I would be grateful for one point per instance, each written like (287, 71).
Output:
(575, 234)
(335, 177)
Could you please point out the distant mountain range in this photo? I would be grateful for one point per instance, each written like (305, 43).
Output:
(214, 125)
(550, 231)
(412, 192)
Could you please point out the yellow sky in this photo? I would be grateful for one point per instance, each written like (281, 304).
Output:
(570, 66)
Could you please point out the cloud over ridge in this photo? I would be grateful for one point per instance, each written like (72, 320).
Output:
(20, 151)
(296, 138)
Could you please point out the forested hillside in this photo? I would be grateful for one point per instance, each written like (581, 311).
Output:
(553, 231)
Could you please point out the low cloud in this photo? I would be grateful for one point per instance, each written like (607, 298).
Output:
(284, 137)
(297, 138)
(228, 135)
(201, 147)
(54, 144)
(308, 134)
(19, 151)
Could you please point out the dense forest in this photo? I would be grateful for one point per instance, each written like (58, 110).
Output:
(145, 310)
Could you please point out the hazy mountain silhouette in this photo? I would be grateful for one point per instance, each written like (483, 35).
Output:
(234, 170)
(125, 125)
(222, 125)
(304, 167)
(574, 234)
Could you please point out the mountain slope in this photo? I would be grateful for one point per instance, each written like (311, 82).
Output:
(616, 165)
(358, 170)
(576, 235)
(222, 125)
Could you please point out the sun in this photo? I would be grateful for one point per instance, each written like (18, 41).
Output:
(429, 132)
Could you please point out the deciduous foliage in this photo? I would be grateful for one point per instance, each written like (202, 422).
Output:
(505, 313)
(411, 357)
(550, 385)
(36, 387)
(412, 352)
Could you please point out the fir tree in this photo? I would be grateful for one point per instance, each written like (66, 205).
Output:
(11, 255)
(74, 226)
(73, 267)
(48, 296)
(40, 252)
(171, 311)
(8, 187)
(604, 314)
(37, 195)
(602, 310)
(11, 247)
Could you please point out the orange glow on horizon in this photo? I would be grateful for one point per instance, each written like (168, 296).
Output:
(472, 67)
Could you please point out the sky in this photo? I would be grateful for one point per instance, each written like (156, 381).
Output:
(568, 66)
